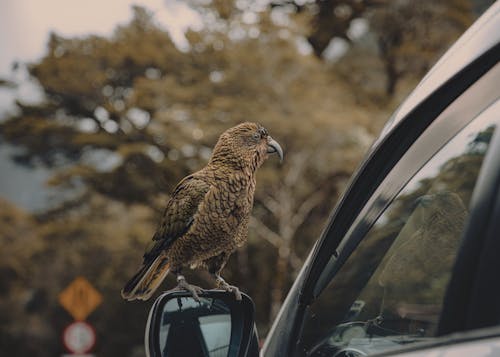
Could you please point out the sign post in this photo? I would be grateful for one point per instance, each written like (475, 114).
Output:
(80, 298)
(79, 337)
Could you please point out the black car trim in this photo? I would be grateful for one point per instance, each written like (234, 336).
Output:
(479, 259)
(449, 123)
(378, 165)
(474, 279)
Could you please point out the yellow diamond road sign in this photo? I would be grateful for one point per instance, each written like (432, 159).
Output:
(80, 298)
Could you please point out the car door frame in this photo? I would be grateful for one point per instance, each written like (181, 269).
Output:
(363, 197)
(471, 306)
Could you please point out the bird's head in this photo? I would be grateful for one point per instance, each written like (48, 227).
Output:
(444, 202)
(245, 145)
(442, 209)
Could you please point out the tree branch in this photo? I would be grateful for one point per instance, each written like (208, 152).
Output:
(295, 262)
(266, 233)
(271, 204)
(305, 208)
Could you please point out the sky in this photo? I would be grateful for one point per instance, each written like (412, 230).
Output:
(25, 24)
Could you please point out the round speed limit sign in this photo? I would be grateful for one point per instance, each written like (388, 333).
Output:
(79, 337)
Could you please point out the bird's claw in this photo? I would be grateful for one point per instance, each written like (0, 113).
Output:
(231, 288)
(182, 284)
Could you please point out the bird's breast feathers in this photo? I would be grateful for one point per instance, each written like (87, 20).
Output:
(223, 213)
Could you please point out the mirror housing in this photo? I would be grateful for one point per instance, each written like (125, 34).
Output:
(179, 326)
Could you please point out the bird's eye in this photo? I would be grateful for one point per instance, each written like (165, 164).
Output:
(256, 136)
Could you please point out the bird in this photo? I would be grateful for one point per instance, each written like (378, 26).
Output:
(419, 267)
(207, 216)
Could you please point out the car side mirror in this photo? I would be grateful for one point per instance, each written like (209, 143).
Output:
(217, 325)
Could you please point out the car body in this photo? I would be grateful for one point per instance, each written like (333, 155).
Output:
(408, 263)
(360, 259)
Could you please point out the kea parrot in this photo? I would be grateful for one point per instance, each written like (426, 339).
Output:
(207, 215)
(416, 274)
(431, 249)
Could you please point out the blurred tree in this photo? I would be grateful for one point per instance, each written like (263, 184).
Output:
(125, 117)
(20, 243)
(403, 32)
(41, 255)
(407, 39)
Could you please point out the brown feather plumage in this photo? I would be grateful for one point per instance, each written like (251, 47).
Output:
(207, 216)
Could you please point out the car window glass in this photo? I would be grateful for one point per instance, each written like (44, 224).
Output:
(216, 331)
(207, 322)
(390, 290)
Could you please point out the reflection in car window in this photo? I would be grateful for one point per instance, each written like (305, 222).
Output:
(216, 331)
(390, 290)
(207, 322)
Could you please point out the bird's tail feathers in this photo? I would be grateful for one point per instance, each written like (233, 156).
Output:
(145, 282)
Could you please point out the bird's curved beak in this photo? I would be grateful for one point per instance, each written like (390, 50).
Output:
(274, 147)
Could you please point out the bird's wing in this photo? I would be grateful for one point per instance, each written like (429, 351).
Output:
(179, 213)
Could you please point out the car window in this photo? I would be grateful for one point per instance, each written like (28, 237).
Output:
(390, 290)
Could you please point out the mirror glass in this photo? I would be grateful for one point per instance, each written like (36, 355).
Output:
(191, 328)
